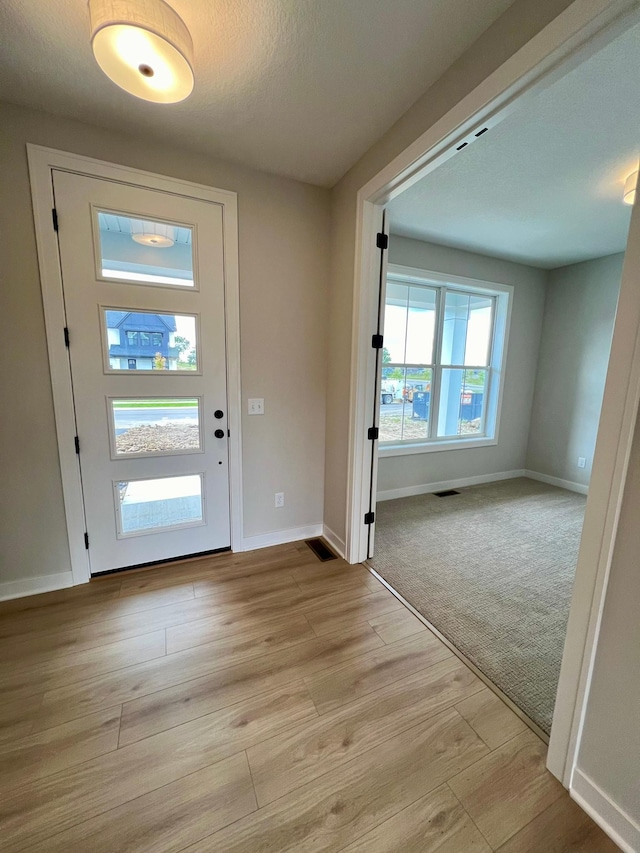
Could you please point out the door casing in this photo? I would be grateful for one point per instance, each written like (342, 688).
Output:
(578, 32)
(41, 163)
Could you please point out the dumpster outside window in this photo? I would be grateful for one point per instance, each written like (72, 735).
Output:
(420, 405)
(471, 405)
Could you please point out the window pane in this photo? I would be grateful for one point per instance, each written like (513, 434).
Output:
(454, 330)
(166, 502)
(143, 251)
(391, 405)
(142, 340)
(145, 425)
(417, 410)
(405, 403)
(462, 402)
(420, 325)
(395, 322)
(479, 330)
(466, 333)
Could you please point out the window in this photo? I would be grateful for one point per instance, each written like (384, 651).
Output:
(441, 362)
(168, 343)
(144, 339)
(145, 506)
(143, 252)
(154, 426)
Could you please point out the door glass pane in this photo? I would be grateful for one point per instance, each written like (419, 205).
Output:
(142, 340)
(166, 502)
(144, 251)
(421, 321)
(151, 426)
(463, 394)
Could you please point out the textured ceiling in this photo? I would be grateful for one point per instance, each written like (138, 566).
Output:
(544, 187)
(296, 87)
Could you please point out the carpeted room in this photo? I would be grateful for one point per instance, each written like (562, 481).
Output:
(492, 567)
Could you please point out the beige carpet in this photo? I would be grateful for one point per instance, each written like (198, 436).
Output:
(492, 569)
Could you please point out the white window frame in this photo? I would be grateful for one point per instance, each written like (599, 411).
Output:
(501, 323)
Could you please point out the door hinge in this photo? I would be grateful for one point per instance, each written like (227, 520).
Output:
(66, 337)
(372, 433)
(86, 541)
(54, 217)
(376, 341)
(369, 517)
(382, 240)
(77, 442)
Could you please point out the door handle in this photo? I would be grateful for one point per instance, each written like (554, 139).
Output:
(219, 433)
(218, 414)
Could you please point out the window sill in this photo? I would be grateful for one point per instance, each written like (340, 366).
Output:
(434, 446)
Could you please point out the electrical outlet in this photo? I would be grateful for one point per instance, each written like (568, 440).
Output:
(256, 406)
(279, 499)
(582, 462)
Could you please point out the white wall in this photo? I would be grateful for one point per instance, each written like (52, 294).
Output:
(396, 472)
(574, 353)
(284, 234)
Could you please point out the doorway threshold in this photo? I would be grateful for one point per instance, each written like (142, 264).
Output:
(486, 681)
(155, 564)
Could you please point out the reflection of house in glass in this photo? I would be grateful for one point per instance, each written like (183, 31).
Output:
(139, 341)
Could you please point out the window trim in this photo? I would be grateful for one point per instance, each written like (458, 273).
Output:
(500, 328)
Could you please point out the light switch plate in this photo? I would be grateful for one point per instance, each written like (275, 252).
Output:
(256, 406)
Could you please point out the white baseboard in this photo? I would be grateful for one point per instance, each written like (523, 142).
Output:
(618, 825)
(281, 537)
(34, 586)
(556, 481)
(336, 543)
(427, 488)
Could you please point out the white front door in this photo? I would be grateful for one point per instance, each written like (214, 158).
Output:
(143, 280)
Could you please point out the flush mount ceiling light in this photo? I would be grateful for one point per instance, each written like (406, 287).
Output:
(156, 234)
(155, 240)
(629, 192)
(144, 46)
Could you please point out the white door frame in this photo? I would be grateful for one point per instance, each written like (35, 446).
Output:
(41, 163)
(581, 30)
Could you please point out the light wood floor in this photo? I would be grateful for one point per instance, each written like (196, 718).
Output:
(259, 702)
